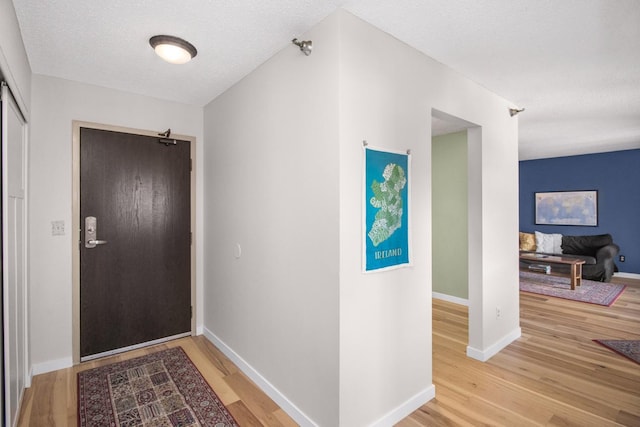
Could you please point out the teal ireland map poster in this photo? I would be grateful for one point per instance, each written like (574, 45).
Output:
(386, 210)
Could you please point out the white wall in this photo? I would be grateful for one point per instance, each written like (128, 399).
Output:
(271, 186)
(55, 104)
(284, 182)
(14, 64)
(387, 93)
(385, 343)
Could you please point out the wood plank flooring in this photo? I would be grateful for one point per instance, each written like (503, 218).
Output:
(554, 375)
(52, 398)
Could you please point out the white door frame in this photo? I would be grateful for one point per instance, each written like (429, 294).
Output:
(474, 226)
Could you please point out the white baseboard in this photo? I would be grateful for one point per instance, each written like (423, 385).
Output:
(627, 275)
(492, 350)
(292, 410)
(51, 365)
(450, 298)
(403, 411)
(28, 376)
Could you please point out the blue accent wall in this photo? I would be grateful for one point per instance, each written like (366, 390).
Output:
(616, 176)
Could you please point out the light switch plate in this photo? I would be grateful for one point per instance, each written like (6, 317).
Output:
(57, 228)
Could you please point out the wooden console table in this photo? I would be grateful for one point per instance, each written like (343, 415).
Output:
(575, 272)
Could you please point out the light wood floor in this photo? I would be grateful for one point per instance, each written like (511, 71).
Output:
(554, 375)
(52, 398)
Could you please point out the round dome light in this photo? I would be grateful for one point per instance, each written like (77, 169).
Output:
(173, 49)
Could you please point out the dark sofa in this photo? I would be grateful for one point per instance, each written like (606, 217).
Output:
(598, 252)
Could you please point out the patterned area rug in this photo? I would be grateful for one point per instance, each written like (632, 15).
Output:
(159, 389)
(627, 348)
(592, 292)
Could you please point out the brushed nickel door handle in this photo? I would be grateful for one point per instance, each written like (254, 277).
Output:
(90, 232)
(97, 242)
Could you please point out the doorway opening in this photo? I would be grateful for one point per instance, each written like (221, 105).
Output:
(456, 191)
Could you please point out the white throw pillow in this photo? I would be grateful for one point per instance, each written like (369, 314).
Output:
(548, 243)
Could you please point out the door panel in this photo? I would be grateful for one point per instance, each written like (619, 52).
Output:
(14, 247)
(135, 288)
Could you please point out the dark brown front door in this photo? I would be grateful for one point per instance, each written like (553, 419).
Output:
(135, 283)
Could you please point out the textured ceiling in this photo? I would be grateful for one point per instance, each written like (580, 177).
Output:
(573, 64)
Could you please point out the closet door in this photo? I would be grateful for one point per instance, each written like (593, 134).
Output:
(14, 250)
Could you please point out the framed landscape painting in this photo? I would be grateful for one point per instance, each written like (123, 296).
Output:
(567, 208)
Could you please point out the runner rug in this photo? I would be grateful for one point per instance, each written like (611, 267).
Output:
(159, 389)
(600, 293)
(627, 348)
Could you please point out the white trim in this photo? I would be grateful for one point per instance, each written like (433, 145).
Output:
(51, 365)
(450, 298)
(396, 415)
(492, 350)
(627, 275)
(134, 347)
(269, 389)
(27, 260)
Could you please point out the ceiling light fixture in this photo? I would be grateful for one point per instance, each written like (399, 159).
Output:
(514, 111)
(173, 49)
(305, 46)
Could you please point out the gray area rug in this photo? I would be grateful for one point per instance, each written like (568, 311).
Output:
(591, 292)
